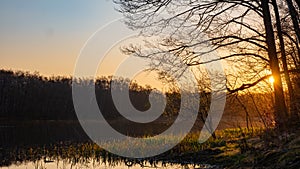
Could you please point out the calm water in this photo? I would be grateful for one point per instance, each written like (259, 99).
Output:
(21, 148)
(65, 164)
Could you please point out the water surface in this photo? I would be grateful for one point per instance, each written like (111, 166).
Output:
(92, 164)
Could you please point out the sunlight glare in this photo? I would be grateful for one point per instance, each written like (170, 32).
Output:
(271, 79)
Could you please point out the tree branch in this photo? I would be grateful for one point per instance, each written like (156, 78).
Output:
(249, 85)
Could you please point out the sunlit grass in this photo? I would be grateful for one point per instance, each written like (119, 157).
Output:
(85, 152)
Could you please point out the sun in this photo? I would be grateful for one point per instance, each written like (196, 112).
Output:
(271, 79)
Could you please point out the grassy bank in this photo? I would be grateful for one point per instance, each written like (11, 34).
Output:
(233, 148)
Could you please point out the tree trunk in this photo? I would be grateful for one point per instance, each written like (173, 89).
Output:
(283, 58)
(298, 3)
(280, 107)
(295, 18)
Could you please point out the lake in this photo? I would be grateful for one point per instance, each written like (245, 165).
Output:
(63, 144)
(66, 164)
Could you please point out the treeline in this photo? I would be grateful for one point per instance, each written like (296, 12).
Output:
(26, 96)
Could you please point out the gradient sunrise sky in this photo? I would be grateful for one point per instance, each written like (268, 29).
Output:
(47, 35)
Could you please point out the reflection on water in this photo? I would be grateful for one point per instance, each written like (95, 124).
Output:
(86, 156)
(93, 164)
(64, 145)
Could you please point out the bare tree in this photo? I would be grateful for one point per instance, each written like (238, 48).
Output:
(280, 107)
(282, 49)
(242, 30)
(295, 17)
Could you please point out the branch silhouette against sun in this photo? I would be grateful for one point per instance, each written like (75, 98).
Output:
(244, 33)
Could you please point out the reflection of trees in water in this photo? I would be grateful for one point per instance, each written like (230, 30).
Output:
(189, 151)
(72, 153)
(84, 155)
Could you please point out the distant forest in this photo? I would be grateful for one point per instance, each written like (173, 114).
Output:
(26, 96)
(30, 96)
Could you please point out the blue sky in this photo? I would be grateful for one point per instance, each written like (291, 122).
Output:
(47, 35)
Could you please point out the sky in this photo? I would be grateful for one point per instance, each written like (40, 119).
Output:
(47, 35)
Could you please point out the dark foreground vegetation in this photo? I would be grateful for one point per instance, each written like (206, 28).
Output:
(233, 148)
(38, 122)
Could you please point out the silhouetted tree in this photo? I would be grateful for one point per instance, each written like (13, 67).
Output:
(230, 27)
